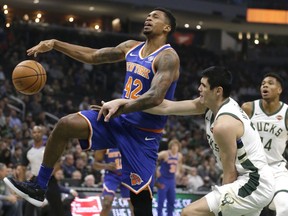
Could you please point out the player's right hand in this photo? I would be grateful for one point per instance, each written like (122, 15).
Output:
(43, 46)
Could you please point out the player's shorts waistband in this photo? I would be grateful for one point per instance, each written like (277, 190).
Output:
(152, 130)
(159, 131)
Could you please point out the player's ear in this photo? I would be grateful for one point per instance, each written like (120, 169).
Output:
(167, 28)
(279, 90)
(219, 90)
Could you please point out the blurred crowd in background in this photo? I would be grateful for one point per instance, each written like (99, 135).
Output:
(73, 86)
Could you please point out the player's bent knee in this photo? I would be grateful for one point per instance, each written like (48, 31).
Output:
(72, 124)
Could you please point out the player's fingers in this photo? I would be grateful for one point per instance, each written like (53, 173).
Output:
(95, 107)
(30, 52)
(100, 114)
(35, 54)
(108, 116)
(102, 102)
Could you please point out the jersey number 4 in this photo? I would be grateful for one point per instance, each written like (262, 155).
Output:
(268, 144)
(133, 94)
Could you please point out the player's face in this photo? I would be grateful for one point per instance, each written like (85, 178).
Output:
(206, 94)
(270, 88)
(155, 23)
(174, 148)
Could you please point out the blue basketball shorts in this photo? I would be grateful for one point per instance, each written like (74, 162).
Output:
(138, 148)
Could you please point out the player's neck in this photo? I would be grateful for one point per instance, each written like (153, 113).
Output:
(152, 45)
(218, 105)
(173, 153)
(270, 106)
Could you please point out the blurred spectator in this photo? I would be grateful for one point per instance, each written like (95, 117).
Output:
(84, 105)
(207, 185)
(68, 166)
(194, 180)
(81, 165)
(89, 181)
(5, 155)
(9, 203)
(77, 175)
(2, 119)
(2, 75)
(15, 121)
(16, 157)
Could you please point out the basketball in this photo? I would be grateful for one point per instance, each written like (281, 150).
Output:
(29, 77)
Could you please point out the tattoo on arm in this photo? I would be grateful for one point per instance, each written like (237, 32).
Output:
(108, 55)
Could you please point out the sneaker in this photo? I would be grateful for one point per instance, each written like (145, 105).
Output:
(28, 190)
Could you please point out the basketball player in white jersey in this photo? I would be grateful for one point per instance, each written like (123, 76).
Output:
(248, 182)
(269, 116)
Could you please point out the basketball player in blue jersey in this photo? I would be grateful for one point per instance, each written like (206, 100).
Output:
(269, 116)
(152, 73)
(110, 161)
(170, 161)
(248, 182)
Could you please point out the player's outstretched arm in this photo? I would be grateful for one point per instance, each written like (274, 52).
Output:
(84, 54)
(185, 107)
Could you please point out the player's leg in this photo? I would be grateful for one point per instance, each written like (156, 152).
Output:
(142, 203)
(198, 208)
(161, 196)
(281, 204)
(71, 126)
(131, 207)
(171, 197)
(139, 157)
(106, 205)
(125, 194)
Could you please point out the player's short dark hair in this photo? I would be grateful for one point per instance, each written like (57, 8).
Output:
(276, 76)
(219, 76)
(170, 16)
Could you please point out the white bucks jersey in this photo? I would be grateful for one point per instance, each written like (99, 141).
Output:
(250, 153)
(272, 129)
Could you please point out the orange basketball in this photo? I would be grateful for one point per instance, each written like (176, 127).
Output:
(29, 77)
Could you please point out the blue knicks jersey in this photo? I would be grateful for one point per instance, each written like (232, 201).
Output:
(113, 156)
(168, 168)
(139, 75)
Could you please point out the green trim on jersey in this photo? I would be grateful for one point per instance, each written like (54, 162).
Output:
(253, 181)
(230, 114)
(254, 176)
(262, 108)
(253, 109)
